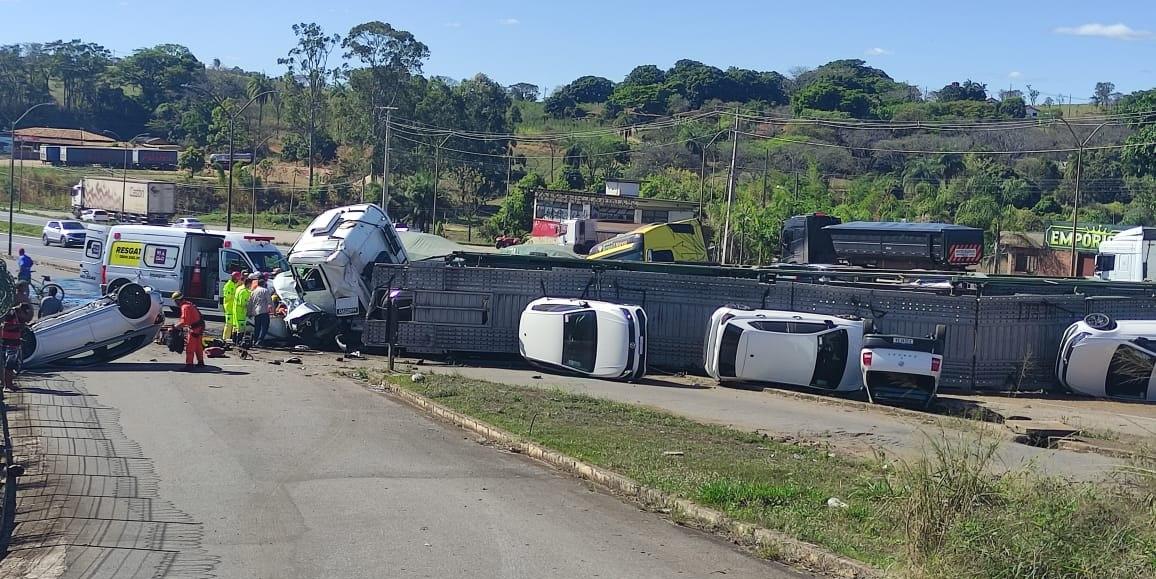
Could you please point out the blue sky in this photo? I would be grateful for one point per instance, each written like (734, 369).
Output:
(1061, 47)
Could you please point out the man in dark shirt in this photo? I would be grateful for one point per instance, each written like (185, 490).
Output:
(51, 304)
(11, 335)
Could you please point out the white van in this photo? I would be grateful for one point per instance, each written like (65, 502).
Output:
(168, 259)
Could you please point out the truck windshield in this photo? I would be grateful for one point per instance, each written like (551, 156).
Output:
(580, 340)
(309, 278)
(267, 261)
(625, 247)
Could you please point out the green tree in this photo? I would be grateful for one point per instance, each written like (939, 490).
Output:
(1104, 95)
(158, 73)
(968, 90)
(516, 215)
(644, 75)
(590, 89)
(310, 58)
(524, 91)
(192, 159)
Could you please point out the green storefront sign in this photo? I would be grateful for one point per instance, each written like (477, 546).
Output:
(1088, 237)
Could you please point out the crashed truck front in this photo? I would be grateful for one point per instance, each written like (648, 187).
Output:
(332, 271)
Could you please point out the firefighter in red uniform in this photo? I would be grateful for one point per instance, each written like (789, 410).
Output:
(11, 334)
(194, 326)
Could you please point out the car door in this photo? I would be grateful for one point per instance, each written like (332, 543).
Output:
(94, 240)
(772, 352)
(52, 230)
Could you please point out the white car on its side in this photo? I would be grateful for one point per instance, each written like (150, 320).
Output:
(902, 370)
(783, 347)
(1103, 357)
(98, 332)
(591, 338)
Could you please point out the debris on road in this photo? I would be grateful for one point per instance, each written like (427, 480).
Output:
(836, 503)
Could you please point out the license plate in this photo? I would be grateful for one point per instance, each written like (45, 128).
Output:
(905, 341)
(346, 307)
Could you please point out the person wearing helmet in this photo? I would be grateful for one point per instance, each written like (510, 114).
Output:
(194, 326)
(227, 294)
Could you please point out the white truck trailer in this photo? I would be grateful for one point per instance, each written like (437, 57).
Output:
(128, 200)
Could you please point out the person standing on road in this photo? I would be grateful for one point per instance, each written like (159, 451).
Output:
(227, 294)
(260, 304)
(11, 338)
(24, 264)
(23, 287)
(240, 310)
(194, 326)
(51, 304)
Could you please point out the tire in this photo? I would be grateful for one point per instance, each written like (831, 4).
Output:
(59, 290)
(352, 344)
(45, 239)
(133, 301)
(868, 327)
(940, 338)
(115, 285)
(1101, 322)
(63, 241)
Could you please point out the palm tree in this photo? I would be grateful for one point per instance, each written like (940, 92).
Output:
(257, 85)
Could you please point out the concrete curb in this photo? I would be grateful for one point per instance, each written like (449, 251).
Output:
(787, 549)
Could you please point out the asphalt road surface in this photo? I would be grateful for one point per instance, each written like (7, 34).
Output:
(260, 470)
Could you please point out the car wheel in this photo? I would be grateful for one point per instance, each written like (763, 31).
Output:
(1099, 321)
(63, 241)
(115, 286)
(45, 239)
(134, 302)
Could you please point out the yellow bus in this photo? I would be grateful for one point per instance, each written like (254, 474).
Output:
(681, 241)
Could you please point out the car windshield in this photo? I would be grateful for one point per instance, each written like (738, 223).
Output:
(267, 261)
(625, 247)
(580, 340)
(71, 225)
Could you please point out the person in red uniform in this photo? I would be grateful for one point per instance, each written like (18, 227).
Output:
(11, 333)
(194, 325)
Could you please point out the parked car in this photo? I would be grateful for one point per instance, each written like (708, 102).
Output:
(902, 370)
(1103, 357)
(94, 216)
(63, 232)
(783, 347)
(189, 223)
(590, 338)
(106, 329)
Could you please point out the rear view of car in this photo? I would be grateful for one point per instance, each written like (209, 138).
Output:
(94, 216)
(585, 337)
(902, 370)
(782, 347)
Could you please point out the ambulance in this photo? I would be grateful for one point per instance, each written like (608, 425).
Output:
(167, 259)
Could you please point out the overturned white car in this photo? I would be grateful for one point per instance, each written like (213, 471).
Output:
(902, 370)
(1103, 357)
(591, 338)
(782, 347)
(109, 328)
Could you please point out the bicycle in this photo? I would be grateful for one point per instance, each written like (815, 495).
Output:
(41, 290)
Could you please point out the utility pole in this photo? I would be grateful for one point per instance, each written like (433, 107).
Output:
(385, 159)
(766, 166)
(730, 191)
(433, 214)
(12, 169)
(1079, 169)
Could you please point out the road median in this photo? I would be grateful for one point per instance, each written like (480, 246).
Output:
(942, 515)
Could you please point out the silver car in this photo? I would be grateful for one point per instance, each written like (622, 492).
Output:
(108, 328)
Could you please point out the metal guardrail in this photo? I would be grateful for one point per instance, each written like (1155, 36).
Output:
(1003, 332)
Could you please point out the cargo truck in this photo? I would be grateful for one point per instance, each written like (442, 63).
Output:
(136, 158)
(128, 200)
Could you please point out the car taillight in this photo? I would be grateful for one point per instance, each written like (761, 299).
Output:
(104, 275)
(935, 362)
(867, 359)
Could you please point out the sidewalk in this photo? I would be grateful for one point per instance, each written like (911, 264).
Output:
(845, 429)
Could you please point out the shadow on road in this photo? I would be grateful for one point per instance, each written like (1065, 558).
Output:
(160, 367)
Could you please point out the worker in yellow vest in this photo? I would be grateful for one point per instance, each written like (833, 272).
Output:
(241, 307)
(227, 294)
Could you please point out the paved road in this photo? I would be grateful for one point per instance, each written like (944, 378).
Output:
(853, 430)
(36, 248)
(289, 471)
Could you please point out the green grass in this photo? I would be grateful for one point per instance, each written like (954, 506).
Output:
(945, 515)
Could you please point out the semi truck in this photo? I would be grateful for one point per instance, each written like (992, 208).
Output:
(818, 238)
(135, 158)
(128, 200)
(1128, 255)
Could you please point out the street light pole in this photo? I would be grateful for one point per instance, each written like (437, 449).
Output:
(730, 192)
(702, 172)
(1079, 169)
(12, 169)
(124, 169)
(385, 159)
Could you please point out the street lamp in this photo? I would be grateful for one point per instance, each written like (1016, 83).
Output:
(12, 169)
(1079, 168)
(232, 121)
(253, 181)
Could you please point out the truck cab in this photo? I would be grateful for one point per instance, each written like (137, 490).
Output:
(1127, 256)
(681, 241)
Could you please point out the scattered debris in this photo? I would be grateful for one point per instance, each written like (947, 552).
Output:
(275, 362)
(355, 355)
(673, 453)
(152, 359)
(293, 360)
(300, 348)
(417, 377)
(537, 376)
(340, 359)
(836, 503)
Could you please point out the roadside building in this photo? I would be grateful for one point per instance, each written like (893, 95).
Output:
(1049, 253)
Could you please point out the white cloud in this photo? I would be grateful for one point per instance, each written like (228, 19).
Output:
(453, 25)
(1118, 31)
(1015, 74)
(877, 51)
(509, 21)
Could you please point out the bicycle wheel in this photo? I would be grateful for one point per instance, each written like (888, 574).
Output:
(59, 290)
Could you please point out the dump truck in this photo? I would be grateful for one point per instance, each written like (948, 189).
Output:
(128, 200)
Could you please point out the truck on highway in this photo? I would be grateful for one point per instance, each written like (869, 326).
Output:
(824, 239)
(134, 158)
(128, 200)
(1129, 255)
(329, 288)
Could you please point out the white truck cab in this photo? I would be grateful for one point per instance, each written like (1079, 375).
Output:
(1128, 256)
(167, 259)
